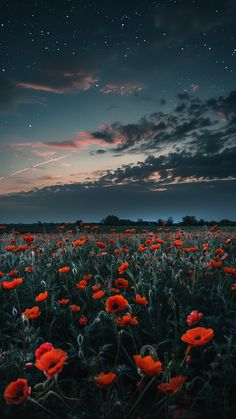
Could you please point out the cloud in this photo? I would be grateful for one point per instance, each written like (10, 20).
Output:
(65, 83)
(127, 201)
(122, 89)
(208, 126)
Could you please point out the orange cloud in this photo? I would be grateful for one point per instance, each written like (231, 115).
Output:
(69, 82)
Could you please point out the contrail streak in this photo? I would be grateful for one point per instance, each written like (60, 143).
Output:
(35, 165)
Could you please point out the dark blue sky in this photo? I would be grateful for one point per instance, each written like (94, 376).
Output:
(122, 107)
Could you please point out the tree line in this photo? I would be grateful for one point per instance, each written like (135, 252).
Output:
(187, 220)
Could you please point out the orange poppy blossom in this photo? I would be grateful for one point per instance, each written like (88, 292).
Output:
(13, 272)
(122, 268)
(198, 336)
(103, 380)
(142, 248)
(81, 285)
(63, 301)
(32, 313)
(78, 243)
(178, 243)
(96, 287)
(42, 296)
(87, 277)
(64, 269)
(214, 263)
(10, 248)
(175, 384)
(190, 249)
(10, 285)
(148, 365)
(98, 295)
(121, 283)
(140, 300)
(127, 319)
(101, 245)
(154, 247)
(51, 362)
(116, 304)
(17, 391)
(75, 308)
(114, 291)
(43, 348)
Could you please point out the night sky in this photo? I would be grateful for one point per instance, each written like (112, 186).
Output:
(117, 107)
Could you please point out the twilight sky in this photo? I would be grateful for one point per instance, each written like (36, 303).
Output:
(125, 108)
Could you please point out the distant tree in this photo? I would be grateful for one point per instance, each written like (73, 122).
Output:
(78, 223)
(189, 220)
(160, 222)
(111, 220)
(169, 221)
(225, 222)
(126, 222)
(201, 222)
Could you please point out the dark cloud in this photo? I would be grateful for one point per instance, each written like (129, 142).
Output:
(127, 201)
(175, 167)
(99, 151)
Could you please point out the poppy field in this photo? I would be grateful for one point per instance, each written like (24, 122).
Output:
(128, 325)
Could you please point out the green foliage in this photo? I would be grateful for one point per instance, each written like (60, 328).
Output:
(174, 282)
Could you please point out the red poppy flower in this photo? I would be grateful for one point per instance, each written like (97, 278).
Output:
(155, 247)
(63, 301)
(194, 317)
(190, 249)
(83, 321)
(102, 245)
(42, 349)
(17, 391)
(42, 296)
(81, 285)
(148, 365)
(116, 304)
(78, 243)
(198, 336)
(98, 295)
(114, 291)
(13, 272)
(32, 313)
(10, 285)
(96, 287)
(64, 269)
(51, 362)
(74, 308)
(178, 243)
(175, 384)
(122, 268)
(140, 300)
(127, 319)
(10, 248)
(104, 380)
(121, 283)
